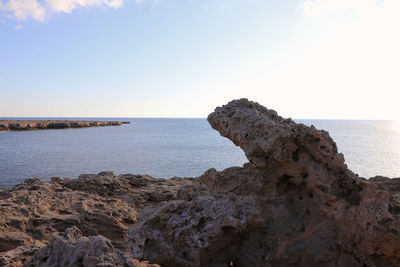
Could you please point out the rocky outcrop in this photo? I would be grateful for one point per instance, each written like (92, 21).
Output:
(32, 211)
(294, 204)
(71, 249)
(137, 190)
(24, 125)
(102, 204)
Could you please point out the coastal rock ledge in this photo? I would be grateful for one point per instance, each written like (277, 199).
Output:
(27, 125)
(295, 203)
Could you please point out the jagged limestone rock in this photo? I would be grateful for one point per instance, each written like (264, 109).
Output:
(71, 249)
(294, 204)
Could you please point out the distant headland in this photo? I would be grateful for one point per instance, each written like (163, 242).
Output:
(26, 125)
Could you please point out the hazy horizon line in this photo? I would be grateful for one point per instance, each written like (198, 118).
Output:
(105, 117)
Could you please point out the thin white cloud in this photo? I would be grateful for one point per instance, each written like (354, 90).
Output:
(24, 9)
(69, 5)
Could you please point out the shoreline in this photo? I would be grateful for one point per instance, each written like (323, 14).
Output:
(295, 203)
(32, 125)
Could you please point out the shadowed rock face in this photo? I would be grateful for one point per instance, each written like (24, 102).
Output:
(294, 204)
(71, 249)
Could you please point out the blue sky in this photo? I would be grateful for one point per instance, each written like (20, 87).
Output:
(170, 58)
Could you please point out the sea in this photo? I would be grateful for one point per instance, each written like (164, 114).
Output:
(166, 148)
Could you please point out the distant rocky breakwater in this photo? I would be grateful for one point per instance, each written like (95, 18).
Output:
(26, 125)
(295, 203)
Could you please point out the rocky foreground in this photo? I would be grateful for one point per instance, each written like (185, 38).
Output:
(26, 125)
(294, 204)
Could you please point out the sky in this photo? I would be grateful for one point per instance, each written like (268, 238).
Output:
(322, 59)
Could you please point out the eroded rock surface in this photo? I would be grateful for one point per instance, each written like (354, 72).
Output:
(102, 204)
(71, 249)
(294, 204)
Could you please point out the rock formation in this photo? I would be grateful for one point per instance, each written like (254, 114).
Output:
(71, 249)
(294, 204)
(24, 125)
(102, 204)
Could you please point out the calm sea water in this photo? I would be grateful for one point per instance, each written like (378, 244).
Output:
(174, 147)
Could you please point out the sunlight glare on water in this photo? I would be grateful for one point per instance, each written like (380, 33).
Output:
(370, 148)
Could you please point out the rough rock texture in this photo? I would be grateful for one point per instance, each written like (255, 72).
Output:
(102, 204)
(71, 249)
(137, 190)
(294, 204)
(24, 125)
